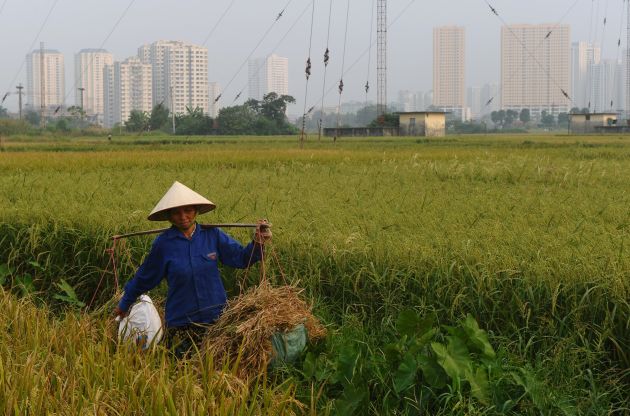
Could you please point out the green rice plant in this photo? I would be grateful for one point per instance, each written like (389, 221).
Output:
(527, 234)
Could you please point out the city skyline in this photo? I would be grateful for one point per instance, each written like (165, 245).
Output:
(406, 71)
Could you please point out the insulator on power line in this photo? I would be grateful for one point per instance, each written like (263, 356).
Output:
(57, 109)
(493, 9)
(489, 101)
(565, 94)
(326, 57)
(238, 96)
(548, 35)
(367, 87)
(218, 98)
(308, 68)
(310, 110)
(280, 15)
(5, 96)
(340, 86)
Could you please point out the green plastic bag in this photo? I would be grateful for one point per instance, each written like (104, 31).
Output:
(287, 346)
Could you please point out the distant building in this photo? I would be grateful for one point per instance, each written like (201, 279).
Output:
(584, 56)
(180, 74)
(88, 73)
(270, 74)
(591, 123)
(449, 70)
(127, 87)
(53, 81)
(606, 86)
(535, 68)
(425, 123)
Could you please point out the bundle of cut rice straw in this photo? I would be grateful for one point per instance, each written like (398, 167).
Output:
(249, 321)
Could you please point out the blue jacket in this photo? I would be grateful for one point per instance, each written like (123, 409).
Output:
(195, 289)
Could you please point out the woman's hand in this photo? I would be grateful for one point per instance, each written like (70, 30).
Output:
(118, 313)
(263, 232)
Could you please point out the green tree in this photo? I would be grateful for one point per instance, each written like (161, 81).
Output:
(62, 125)
(3, 112)
(547, 120)
(273, 108)
(194, 122)
(563, 119)
(33, 118)
(525, 116)
(510, 117)
(159, 117)
(239, 119)
(137, 121)
(498, 117)
(366, 115)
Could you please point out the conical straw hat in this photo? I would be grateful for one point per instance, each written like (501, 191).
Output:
(179, 196)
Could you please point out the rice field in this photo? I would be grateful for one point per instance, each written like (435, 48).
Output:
(526, 235)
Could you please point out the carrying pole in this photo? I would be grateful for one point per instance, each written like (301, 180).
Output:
(203, 226)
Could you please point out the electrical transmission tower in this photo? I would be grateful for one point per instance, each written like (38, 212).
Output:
(381, 62)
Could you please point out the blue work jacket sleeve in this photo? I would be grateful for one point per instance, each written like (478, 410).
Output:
(148, 276)
(233, 254)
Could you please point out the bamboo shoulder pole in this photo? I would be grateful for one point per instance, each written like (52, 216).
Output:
(204, 226)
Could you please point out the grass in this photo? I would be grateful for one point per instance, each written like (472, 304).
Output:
(528, 234)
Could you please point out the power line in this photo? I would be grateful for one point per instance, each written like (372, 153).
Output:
(343, 64)
(356, 61)
(109, 34)
(308, 75)
(2, 7)
(218, 22)
(546, 70)
(326, 61)
(542, 41)
(41, 28)
(297, 20)
(264, 36)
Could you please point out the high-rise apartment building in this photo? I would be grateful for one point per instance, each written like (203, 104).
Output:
(535, 68)
(584, 56)
(267, 75)
(606, 87)
(89, 65)
(180, 74)
(52, 83)
(127, 86)
(449, 69)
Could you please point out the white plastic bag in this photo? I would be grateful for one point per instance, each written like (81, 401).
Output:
(142, 325)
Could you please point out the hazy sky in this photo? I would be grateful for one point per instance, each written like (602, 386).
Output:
(78, 24)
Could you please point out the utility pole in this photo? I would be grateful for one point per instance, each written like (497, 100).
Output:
(81, 89)
(173, 110)
(381, 61)
(20, 88)
(42, 87)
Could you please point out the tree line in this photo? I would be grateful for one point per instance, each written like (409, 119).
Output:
(255, 117)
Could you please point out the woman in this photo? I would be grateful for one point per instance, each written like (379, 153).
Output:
(187, 255)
